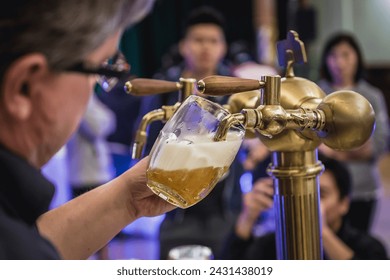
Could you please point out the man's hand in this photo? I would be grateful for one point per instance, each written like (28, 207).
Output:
(334, 247)
(257, 152)
(143, 201)
(98, 215)
(259, 199)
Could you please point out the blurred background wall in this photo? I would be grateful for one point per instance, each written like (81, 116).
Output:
(146, 43)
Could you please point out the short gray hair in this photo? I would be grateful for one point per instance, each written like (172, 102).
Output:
(65, 31)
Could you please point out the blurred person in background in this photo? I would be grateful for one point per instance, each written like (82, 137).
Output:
(340, 240)
(342, 68)
(88, 156)
(126, 109)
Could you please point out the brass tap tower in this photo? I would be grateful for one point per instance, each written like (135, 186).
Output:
(141, 87)
(294, 117)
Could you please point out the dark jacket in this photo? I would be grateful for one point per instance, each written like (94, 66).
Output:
(24, 195)
(365, 247)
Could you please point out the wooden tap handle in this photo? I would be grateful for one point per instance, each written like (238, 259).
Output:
(143, 87)
(222, 85)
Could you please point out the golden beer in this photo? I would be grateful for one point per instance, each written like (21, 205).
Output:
(184, 187)
(185, 162)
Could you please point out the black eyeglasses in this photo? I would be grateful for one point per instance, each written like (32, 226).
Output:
(112, 71)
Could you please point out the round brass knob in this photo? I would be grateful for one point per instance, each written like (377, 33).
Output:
(349, 120)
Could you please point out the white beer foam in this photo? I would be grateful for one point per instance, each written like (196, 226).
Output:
(176, 155)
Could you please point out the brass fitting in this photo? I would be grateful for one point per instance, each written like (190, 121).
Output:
(141, 134)
(163, 114)
(186, 86)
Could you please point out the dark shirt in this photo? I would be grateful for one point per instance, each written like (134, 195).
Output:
(25, 194)
(365, 247)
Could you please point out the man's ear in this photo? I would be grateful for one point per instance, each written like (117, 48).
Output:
(181, 47)
(344, 205)
(18, 83)
(223, 52)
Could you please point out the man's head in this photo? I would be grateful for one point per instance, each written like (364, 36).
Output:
(203, 45)
(335, 187)
(41, 102)
(64, 31)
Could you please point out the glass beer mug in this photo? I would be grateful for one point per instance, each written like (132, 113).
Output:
(190, 252)
(186, 162)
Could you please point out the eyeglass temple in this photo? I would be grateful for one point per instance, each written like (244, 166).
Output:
(100, 71)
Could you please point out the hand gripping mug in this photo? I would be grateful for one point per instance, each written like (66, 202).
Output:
(186, 162)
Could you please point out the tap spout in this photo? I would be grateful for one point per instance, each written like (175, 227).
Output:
(141, 135)
(226, 124)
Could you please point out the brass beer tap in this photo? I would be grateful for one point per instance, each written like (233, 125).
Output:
(294, 117)
(142, 87)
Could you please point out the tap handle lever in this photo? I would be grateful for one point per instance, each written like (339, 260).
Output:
(143, 87)
(222, 85)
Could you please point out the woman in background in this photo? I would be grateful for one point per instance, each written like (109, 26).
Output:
(342, 69)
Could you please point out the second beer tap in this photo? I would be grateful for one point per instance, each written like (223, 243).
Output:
(185, 86)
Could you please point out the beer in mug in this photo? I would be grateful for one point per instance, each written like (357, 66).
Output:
(186, 162)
